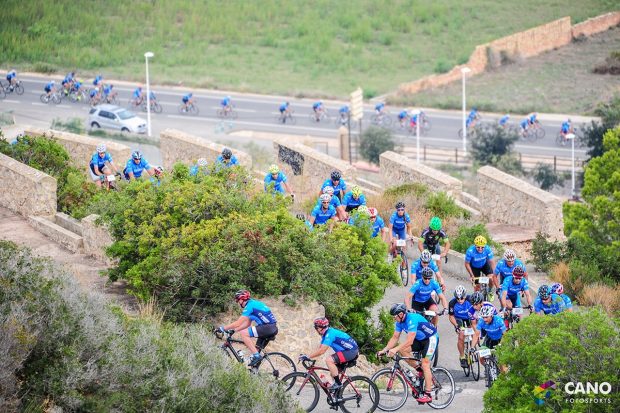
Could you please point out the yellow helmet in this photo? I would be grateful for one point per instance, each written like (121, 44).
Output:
(480, 241)
(274, 169)
(356, 191)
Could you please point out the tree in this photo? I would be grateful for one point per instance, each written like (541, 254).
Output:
(374, 141)
(546, 177)
(493, 145)
(593, 133)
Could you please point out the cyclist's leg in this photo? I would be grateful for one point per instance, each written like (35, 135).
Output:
(94, 177)
(477, 272)
(427, 351)
(460, 342)
(248, 334)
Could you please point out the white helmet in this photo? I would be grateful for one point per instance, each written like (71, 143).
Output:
(101, 148)
(325, 198)
(487, 311)
(328, 190)
(201, 162)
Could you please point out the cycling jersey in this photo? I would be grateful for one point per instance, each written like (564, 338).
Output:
(495, 329)
(377, 226)
(567, 301)
(136, 168)
(321, 216)
(258, 312)
(432, 239)
(532, 118)
(461, 311)
(107, 89)
(232, 161)
(93, 93)
(555, 306)
(403, 114)
(503, 120)
(416, 268)
(512, 289)
(193, 171)
(283, 107)
(338, 340)
(77, 85)
(186, 98)
(137, 93)
(99, 161)
(415, 323)
(152, 96)
(277, 182)
(399, 222)
(344, 110)
(97, 80)
(49, 87)
(565, 127)
(342, 186)
(471, 117)
(422, 292)
(225, 102)
(503, 270)
(335, 202)
(317, 105)
(478, 259)
(379, 107)
(349, 201)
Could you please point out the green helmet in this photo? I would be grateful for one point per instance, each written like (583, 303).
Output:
(435, 224)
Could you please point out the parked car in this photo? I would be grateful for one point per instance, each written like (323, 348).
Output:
(115, 117)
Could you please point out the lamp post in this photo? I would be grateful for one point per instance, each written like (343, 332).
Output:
(148, 94)
(464, 71)
(571, 136)
(416, 113)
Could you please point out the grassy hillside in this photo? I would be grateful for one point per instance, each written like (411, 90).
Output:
(295, 47)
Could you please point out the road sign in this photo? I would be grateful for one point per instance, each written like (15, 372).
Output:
(357, 104)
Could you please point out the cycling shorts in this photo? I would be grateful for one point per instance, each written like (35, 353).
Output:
(418, 306)
(400, 233)
(484, 270)
(341, 357)
(435, 249)
(426, 347)
(463, 322)
(94, 176)
(514, 299)
(351, 208)
(263, 330)
(490, 343)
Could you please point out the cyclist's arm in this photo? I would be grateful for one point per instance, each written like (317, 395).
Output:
(421, 244)
(240, 324)
(151, 171)
(319, 351)
(288, 187)
(111, 163)
(492, 264)
(469, 271)
(405, 344)
(311, 219)
(130, 174)
(390, 231)
(391, 343)
(502, 298)
(408, 227)
(408, 299)
(528, 296)
(444, 302)
(440, 280)
(446, 248)
(452, 320)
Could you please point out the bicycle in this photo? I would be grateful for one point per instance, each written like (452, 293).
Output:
(78, 96)
(272, 364)
(472, 129)
(473, 363)
(17, 87)
(562, 140)
(358, 393)
(342, 119)
(54, 97)
(483, 281)
(513, 315)
(190, 108)
(155, 106)
(320, 115)
(394, 384)
(286, 117)
(108, 182)
(403, 267)
(227, 112)
(491, 370)
(381, 119)
(425, 126)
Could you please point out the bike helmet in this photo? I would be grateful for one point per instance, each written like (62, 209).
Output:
(325, 197)
(226, 153)
(557, 288)
(399, 204)
(363, 209)
(190, 94)
(544, 292)
(137, 155)
(321, 322)
(460, 292)
(274, 169)
(397, 309)
(372, 212)
(101, 148)
(425, 256)
(476, 298)
(328, 190)
(202, 162)
(336, 176)
(159, 170)
(427, 273)
(509, 255)
(480, 241)
(487, 311)
(435, 224)
(356, 191)
(242, 295)
(53, 82)
(518, 272)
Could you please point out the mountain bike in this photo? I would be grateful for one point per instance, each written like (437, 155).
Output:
(273, 364)
(190, 108)
(18, 87)
(483, 281)
(395, 383)
(403, 266)
(491, 370)
(473, 363)
(357, 394)
(286, 117)
(227, 112)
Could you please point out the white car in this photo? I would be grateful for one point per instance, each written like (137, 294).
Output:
(115, 117)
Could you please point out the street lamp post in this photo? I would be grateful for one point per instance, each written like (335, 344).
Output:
(464, 71)
(416, 113)
(148, 94)
(571, 136)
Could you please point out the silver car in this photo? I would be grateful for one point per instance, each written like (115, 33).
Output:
(115, 117)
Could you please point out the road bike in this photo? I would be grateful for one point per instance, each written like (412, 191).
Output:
(403, 266)
(562, 140)
(491, 369)
(286, 117)
(430, 315)
(534, 132)
(272, 364)
(227, 112)
(320, 115)
(425, 125)
(54, 97)
(155, 106)
(383, 119)
(395, 383)
(471, 356)
(18, 87)
(357, 394)
(190, 108)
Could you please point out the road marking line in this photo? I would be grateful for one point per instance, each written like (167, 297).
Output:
(10, 101)
(38, 104)
(63, 106)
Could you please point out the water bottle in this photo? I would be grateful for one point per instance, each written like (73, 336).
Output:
(240, 354)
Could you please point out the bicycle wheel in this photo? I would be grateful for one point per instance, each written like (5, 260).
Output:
(387, 121)
(403, 269)
(56, 98)
(393, 391)
(467, 370)
(19, 88)
(443, 388)
(303, 389)
(488, 380)
(426, 125)
(374, 119)
(290, 119)
(232, 114)
(193, 109)
(276, 365)
(44, 98)
(530, 135)
(540, 132)
(157, 107)
(358, 394)
(475, 366)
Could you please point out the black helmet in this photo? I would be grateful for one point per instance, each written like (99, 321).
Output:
(476, 297)
(397, 309)
(400, 204)
(427, 273)
(226, 153)
(336, 176)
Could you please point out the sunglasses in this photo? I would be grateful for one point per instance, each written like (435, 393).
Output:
(461, 299)
(400, 209)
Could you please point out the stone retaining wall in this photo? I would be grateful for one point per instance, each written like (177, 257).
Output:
(177, 146)
(96, 239)
(509, 200)
(26, 190)
(596, 24)
(398, 169)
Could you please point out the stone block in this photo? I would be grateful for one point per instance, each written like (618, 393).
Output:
(70, 240)
(96, 239)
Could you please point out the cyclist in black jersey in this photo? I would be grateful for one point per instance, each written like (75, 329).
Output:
(431, 237)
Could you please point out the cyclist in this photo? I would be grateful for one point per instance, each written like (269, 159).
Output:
(138, 96)
(199, 166)
(67, 83)
(565, 129)
(477, 302)
(284, 111)
(472, 118)
(506, 266)
(100, 159)
(187, 100)
(479, 260)
(511, 287)
(335, 202)
(431, 237)
(461, 315)
(136, 165)
(108, 94)
(548, 302)
(403, 115)
(265, 324)
(226, 159)
(344, 114)
(158, 175)
(344, 346)
(399, 226)
(324, 213)
(276, 181)
(379, 108)
(532, 118)
(335, 181)
(50, 87)
(419, 296)
(421, 337)
(558, 288)
(226, 104)
(97, 81)
(353, 199)
(425, 261)
(503, 121)
(524, 124)
(378, 225)
(11, 77)
(413, 121)
(318, 109)
(492, 326)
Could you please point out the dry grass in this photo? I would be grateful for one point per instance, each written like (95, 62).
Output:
(150, 311)
(600, 295)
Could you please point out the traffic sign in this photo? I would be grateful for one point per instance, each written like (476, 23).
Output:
(357, 104)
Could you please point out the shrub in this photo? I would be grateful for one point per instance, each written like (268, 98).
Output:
(546, 177)
(593, 133)
(546, 254)
(443, 206)
(492, 144)
(442, 67)
(466, 235)
(73, 125)
(374, 141)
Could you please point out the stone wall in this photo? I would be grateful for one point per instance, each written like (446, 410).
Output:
(307, 168)
(26, 190)
(177, 146)
(96, 239)
(509, 200)
(81, 148)
(596, 24)
(398, 169)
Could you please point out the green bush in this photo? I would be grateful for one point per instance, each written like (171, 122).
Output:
(546, 177)
(466, 235)
(493, 145)
(546, 254)
(443, 206)
(374, 141)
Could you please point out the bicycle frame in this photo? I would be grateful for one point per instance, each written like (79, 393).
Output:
(332, 399)
(398, 370)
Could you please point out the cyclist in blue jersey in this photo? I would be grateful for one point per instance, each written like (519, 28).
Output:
(431, 237)
(565, 129)
(199, 167)
(461, 315)
(472, 118)
(491, 326)
(187, 100)
(98, 80)
(503, 121)
(285, 111)
(136, 165)
(323, 214)
(137, 96)
(353, 199)
(426, 261)
(419, 297)
(108, 93)
(548, 302)
(379, 108)
(335, 202)
(399, 226)
(226, 104)
(524, 124)
(378, 225)
(318, 109)
(343, 112)
(512, 286)
(11, 77)
(558, 288)
(344, 346)
(335, 180)
(226, 159)
(507, 264)
(477, 302)
(422, 337)
(50, 87)
(276, 181)
(100, 160)
(479, 260)
(403, 115)
(265, 327)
